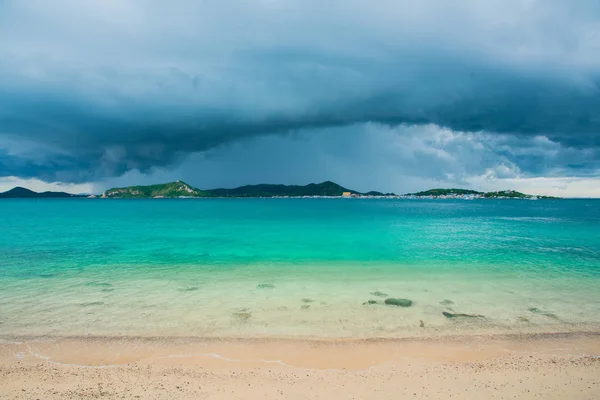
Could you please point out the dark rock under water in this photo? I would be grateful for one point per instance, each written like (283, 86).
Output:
(542, 312)
(242, 316)
(379, 294)
(398, 302)
(265, 286)
(459, 315)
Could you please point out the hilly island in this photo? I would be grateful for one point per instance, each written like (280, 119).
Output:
(180, 189)
(23, 193)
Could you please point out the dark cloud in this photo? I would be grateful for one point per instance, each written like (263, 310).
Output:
(120, 86)
(376, 157)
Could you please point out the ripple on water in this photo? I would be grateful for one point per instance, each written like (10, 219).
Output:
(92, 304)
(190, 289)
(99, 284)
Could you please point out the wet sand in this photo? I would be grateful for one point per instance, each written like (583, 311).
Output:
(555, 366)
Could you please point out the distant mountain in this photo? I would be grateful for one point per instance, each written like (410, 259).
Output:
(444, 192)
(327, 188)
(172, 189)
(23, 193)
(182, 189)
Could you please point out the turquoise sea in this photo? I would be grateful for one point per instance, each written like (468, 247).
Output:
(297, 267)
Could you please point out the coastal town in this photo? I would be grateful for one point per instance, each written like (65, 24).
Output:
(507, 194)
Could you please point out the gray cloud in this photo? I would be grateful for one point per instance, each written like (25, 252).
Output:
(114, 86)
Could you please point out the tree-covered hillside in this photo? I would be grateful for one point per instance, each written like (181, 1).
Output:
(327, 188)
(182, 189)
(172, 189)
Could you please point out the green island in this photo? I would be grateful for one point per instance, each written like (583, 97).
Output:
(444, 192)
(23, 193)
(512, 194)
(180, 189)
(473, 194)
(166, 190)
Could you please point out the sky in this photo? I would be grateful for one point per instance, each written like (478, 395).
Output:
(391, 95)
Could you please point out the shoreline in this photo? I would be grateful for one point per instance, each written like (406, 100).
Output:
(101, 351)
(549, 366)
(314, 339)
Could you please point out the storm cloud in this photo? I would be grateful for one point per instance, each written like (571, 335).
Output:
(376, 156)
(92, 90)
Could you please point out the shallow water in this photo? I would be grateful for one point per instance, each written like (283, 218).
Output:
(254, 267)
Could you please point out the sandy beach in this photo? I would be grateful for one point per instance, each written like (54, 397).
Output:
(557, 366)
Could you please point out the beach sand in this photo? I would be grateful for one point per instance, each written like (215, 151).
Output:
(557, 366)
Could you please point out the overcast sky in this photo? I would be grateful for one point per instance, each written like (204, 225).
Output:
(385, 95)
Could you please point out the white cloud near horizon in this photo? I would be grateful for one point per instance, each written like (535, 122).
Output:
(9, 182)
